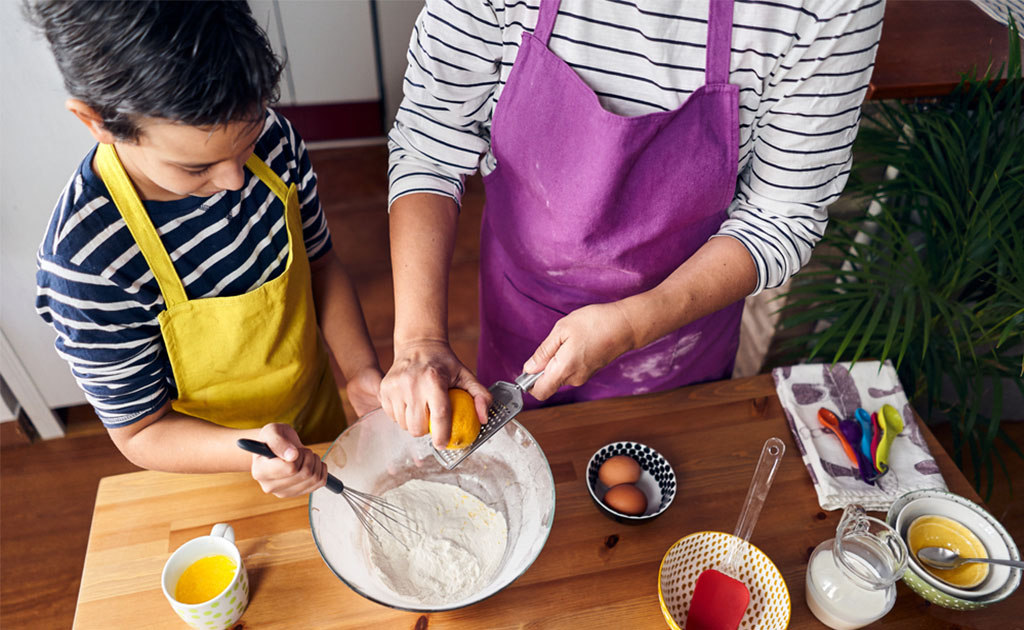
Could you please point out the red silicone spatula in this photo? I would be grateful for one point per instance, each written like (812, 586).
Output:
(719, 599)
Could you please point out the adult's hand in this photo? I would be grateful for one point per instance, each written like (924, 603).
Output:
(418, 381)
(295, 471)
(589, 338)
(578, 345)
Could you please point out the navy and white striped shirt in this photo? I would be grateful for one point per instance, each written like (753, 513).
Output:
(95, 288)
(802, 67)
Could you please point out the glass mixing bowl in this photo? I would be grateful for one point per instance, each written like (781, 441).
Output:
(509, 473)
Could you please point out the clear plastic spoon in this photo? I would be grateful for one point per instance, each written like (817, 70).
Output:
(720, 599)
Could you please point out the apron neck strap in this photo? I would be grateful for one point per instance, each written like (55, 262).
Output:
(260, 169)
(719, 46)
(123, 194)
(546, 20)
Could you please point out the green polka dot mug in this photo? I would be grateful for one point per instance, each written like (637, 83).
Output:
(223, 609)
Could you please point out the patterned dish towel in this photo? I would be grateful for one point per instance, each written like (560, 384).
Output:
(804, 389)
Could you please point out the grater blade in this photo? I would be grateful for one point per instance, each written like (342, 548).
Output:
(506, 404)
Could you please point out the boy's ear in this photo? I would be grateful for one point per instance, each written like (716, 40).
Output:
(91, 119)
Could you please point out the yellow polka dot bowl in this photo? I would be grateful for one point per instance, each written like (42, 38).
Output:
(769, 607)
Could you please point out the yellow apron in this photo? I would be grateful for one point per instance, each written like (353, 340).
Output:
(247, 360)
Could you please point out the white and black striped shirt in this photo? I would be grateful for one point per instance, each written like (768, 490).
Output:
(802, 67)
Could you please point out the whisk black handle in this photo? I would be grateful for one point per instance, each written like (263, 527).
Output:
(260, 448)
(257, 447)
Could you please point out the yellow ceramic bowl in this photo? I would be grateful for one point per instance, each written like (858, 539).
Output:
(932, 530)
(769, 607)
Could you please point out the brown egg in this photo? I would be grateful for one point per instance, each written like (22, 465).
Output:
(627, 499)
(618, 470)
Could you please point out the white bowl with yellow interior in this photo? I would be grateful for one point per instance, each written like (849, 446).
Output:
(934, 518)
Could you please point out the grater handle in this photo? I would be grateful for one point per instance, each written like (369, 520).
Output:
(526, 380)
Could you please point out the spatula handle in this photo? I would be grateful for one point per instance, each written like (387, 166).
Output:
(760, 483)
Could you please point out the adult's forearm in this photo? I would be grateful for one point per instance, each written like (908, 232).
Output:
(423, 228)
(718, 274)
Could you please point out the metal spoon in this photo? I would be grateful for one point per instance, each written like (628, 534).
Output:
(942, 558)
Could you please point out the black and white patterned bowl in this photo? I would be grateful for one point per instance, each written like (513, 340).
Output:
(657, 480)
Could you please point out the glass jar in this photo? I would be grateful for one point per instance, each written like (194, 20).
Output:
(851, 579)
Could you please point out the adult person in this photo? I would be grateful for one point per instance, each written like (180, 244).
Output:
(647, 165)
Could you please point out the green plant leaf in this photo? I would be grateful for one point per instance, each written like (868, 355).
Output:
(908, 330)
(894, 321)
(853, 330)
(877, 310)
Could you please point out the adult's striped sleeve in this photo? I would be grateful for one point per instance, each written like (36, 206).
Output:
(802, 142)
(440, 130)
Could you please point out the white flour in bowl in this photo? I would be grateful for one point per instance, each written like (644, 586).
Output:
(458, 545)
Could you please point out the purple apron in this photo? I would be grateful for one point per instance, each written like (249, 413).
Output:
(588, 207)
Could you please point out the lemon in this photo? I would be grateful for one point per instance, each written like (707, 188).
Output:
(465, 425)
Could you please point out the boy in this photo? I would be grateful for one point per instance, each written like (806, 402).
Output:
(188, 259)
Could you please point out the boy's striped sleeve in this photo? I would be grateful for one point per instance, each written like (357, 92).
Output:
(107, 337)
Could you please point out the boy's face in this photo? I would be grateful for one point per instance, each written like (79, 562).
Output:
(173, 161)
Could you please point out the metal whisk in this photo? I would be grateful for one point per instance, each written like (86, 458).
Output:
(370, 510)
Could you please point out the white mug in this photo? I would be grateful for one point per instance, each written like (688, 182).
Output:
(224, 609)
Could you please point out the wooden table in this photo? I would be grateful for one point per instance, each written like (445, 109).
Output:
(927, 44)
(592, 573)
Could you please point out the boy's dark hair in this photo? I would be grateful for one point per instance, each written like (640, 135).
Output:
(203, 64)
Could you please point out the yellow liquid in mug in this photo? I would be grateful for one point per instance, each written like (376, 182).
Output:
(204, 579)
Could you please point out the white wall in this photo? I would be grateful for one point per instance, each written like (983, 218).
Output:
(42, 144)
(329, 49)
(395, 20)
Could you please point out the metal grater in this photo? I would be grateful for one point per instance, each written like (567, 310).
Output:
(507, 403)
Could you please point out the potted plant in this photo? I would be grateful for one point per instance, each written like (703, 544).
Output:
(933, 276)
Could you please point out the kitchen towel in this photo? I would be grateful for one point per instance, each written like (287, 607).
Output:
(804, 389)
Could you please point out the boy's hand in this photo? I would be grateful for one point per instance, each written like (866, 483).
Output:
(295, 471)
(363, 390)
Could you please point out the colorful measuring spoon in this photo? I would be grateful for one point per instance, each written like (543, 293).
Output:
(876, 433)
(869, 433)
(892, 425)
(864, 420)
(831, 422)
(852, 432)
(876, 436)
